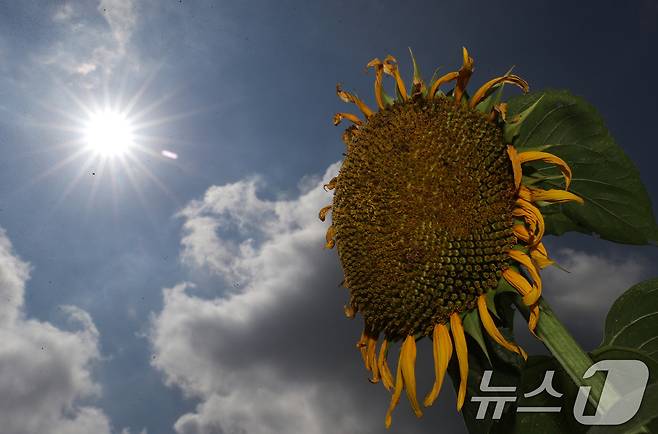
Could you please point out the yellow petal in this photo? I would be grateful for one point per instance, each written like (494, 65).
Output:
(408, 372)
(387, 378)
(499, 110)
(493, 331)
(442, 80)
(530, 293)
(379, 72)
(330, 238)
(521, 232)
(323, 212)
(331, 184)
(554, 196)
(525, 193)
(361, 346)
(519, 282)
(482, 91)
(533, 319)
(526, 261)
(371, 345)
(464, 75)
(397, 392)
(391, 68)
(338, 118)
(540, 256)
(516, 165)
(442, 348)
(348, 97)
(533, 218)
(349, 310)
(462, 356)
(372, 360)
(529, 156)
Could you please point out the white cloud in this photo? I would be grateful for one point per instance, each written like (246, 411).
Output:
(89, 48)
(127, 431)
(583, 296)
(276, 355)
(44, 371)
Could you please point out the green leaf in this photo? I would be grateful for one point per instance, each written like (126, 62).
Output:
(471, 324)
(632, 319)
(617, 206)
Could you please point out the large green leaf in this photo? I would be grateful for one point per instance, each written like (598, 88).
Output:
(633, 319)
(617, 206)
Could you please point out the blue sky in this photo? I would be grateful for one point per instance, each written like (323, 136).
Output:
(193, 295)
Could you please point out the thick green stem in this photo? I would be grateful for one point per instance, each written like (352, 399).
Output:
(566, 350)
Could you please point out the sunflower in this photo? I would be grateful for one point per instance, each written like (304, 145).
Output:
(431, 215)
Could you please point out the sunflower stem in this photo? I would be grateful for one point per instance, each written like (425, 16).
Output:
(565, 349)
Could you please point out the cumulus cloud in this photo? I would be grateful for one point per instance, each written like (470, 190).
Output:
(87, 47)
(44, 371)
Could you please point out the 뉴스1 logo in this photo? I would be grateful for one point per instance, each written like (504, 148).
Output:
(620, 400)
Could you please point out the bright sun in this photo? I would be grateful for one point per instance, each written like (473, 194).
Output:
(109, 133)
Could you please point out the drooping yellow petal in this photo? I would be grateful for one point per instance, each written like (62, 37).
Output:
(533, 217)
(482, 91)
(529, 156)
(323, 212)
(361, 346)
(385, 372)
(529, 292)
(349, 310)
(331, 232)
(371, 345)
(440, 81)
(397, 392)
(442, 349)
(525, 193)
(462, 356)
(338, 118)
(533, 319)
(516, 165)
(554, 196)
(540, 256)
(408, 372)
(391, 68)
(331, 184)
(521, 232)
(379, 73)
(493, 331)
(464, 75)
(526, 261)
(372, 360)
(499, 110)
(348, 97)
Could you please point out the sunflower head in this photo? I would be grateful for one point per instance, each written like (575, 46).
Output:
(430, 211)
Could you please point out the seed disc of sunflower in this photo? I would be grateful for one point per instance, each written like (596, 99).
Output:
(423, 214)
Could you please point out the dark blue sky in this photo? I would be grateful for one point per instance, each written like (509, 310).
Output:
(243, 92)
